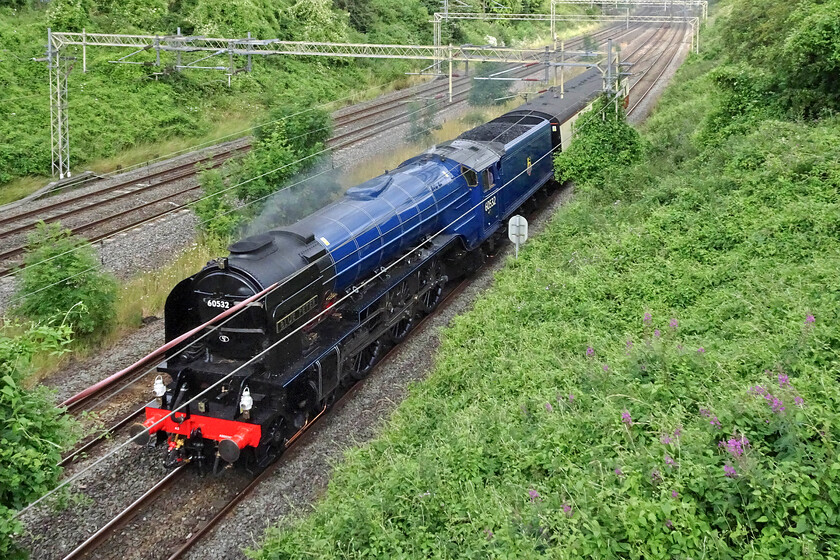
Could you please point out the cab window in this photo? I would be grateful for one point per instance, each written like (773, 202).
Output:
(470, 176)
(488, 180)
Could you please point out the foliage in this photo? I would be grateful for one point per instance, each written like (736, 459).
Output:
(811, 57)
(144, 14)
(33, 430)
(603, 142)
(489, 92)
(422, 119)
(285, 147)
(795, 45)
(109, 106)
(216, 209)
(63, 277)
(744, 102)
(69, 15)
(654, 377)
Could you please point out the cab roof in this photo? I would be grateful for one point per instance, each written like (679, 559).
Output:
(475, 155)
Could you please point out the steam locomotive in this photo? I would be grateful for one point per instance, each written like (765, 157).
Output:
(336, 307)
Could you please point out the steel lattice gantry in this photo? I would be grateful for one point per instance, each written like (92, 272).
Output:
(665, 4)
(553, 18)
(208, 47)
(220, 46)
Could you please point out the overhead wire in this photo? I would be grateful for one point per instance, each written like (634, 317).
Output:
(216, 140)
(234, 210)
(349, 294)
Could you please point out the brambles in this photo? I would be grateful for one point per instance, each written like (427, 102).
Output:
(281, 150)
(64, 279)
(422, 119)
(603, 143)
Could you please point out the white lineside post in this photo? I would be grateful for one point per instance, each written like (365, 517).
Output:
(450, 72)
(248, 64)
(562, 69)
(617, 80)
(84, 51)
(697, 35)
(518, 232)
(436, 23)
(547, 66)
(553, 25)
(178, 53)
(230, 61)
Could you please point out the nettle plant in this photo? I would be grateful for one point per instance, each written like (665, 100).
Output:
(694, 455)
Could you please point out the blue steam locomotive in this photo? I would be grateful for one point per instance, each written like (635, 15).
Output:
(352, 279)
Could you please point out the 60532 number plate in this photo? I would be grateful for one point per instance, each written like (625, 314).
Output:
(218, 303)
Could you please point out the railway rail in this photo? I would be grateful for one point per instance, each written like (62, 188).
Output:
(391, 112)
(657, 68)
(92, 399)
(166, 485)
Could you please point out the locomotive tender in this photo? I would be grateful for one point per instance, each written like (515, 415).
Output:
(451, 201)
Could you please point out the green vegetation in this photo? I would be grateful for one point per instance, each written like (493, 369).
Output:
(32, 430)
(283, 149)
(489, 92)
(63, 277)
(654, 377)
(116, 107)
(605, 144)
(422, 119)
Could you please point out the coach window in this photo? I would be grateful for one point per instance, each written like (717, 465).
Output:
(470, 176)
(488, 180)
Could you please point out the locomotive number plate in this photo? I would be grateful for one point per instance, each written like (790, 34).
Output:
(490, 204)
(218, 303)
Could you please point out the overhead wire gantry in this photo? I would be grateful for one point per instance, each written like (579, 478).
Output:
(233, 50)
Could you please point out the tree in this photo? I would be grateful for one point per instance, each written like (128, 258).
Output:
(603, 141)
(63, 277)
(489, 92)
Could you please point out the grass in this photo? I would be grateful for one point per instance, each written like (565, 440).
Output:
(20, 187)
(226, 127)
(654, 377)
(145, 295)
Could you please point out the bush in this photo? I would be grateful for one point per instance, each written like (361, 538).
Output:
(63, 277)
(281, 150)
(793, 43)
(489, 92)
(603, 142)
(744, 101)
(216, 209)
(422, 119)
(33, 430)
(811, 61)
(654, 377)
(69, 15)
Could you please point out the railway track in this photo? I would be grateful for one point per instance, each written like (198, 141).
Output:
(92, 401)
(640, 90)
(169, 483)
(133, 512)
(391, 112)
